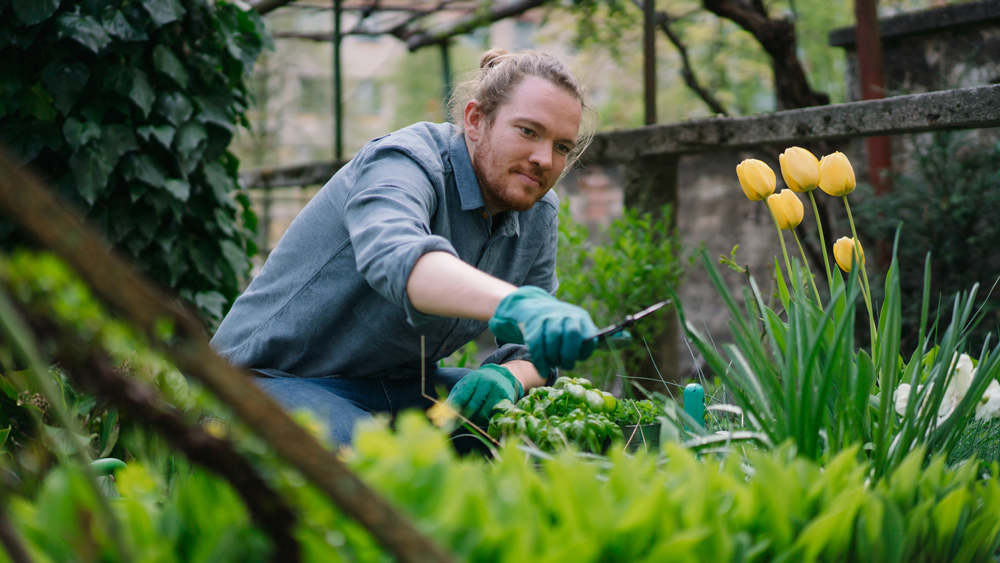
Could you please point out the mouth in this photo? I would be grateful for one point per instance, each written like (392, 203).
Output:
(529, 179)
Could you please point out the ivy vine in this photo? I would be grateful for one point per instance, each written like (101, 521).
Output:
(127, 108)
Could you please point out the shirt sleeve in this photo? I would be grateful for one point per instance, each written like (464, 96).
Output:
(388, 216)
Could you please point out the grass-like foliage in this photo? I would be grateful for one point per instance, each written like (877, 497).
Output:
(801, 379)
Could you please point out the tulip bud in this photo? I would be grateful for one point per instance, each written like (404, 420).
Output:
(756, 178)
(800, 169)
(843, 253)
(787, 209)
(836, 176)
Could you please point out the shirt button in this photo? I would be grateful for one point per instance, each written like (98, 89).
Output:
(486, 215)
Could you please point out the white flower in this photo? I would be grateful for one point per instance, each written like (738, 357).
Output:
(989, 404)
(901, 396)
(958, 386)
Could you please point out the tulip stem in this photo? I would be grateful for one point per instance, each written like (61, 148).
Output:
(812, 278)
(781, 237)
(861, 264)
(822, 243)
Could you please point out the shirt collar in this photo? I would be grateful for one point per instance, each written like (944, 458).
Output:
(469, 191)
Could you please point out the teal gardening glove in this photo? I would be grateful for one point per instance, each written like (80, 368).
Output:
(479, 391)
(557, 333)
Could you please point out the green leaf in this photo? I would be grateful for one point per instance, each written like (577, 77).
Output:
(211, 302)
(132, 83)
(79, 133)
(27, 137)
(215, 110)
(163, 11)
(236, 257)
(32, 12)
(164, 134)
(144, 168)
(65, 82)
(117, 25)
(220, 181)
(85, 30)
(37, 103)
(175, 107)
(91, 170)
(178, 188)
(118, 140)
(166, 63)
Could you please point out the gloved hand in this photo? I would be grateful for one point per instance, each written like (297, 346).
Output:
(480, 390)
(557, 333)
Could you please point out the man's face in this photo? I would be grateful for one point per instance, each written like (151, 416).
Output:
(523, 151)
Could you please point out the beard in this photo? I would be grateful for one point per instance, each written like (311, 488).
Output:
(502, 190)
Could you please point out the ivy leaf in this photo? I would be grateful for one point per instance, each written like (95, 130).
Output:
(121, 222)
(65, 82)
(79, 133)
(215, 110)
(190, 144)
(164, 134)
(37, 103)
(235, 257)
(144, 168)
(220, 182)
(179, 188)
(132, 83)
(91, 170)
(205, 258)
(211, 302)
(85, 30)
(32, 12)
(168, 64)
(27, 137)
(175, 107)
(117, 140)
(117, 25)
(163, 11)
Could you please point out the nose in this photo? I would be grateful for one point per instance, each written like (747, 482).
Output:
(541, 156)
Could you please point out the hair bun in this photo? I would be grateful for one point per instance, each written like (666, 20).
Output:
(491, 58)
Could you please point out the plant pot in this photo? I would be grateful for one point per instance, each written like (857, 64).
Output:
(642, 436)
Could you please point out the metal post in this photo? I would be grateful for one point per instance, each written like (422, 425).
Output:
(872, 87)
(649, 58)
(338, 105)
(445, 78)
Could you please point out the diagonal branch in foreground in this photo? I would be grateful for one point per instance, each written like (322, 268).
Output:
(33, 208)
(91, 370)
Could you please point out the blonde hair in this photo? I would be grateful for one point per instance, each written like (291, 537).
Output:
(499, 74)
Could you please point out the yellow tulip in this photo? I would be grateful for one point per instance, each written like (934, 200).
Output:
(836, 176)
(756, 178)
(787, 209)
(800, 169)
(843, 253)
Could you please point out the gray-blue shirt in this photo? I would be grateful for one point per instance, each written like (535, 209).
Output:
(331, 298)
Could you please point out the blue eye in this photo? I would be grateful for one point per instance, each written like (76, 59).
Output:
(527, 131)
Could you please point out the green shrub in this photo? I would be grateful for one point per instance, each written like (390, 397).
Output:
(127, 108)
(615, 273)
(948, 207)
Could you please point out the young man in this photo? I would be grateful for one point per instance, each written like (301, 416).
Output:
(428, 232)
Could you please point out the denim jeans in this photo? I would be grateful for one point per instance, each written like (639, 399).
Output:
(341, 403)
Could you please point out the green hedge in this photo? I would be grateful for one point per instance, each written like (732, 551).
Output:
(127, 107)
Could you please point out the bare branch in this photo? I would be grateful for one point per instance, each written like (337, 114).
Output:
(470, 23)
(265, 6)
(12, 541)
(33, 208)
(777, 37)
(92, 371)
(687, 72)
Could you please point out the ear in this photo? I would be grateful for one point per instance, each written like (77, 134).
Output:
(474, 121)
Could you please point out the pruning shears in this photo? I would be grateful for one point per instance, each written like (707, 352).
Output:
(607, 333)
